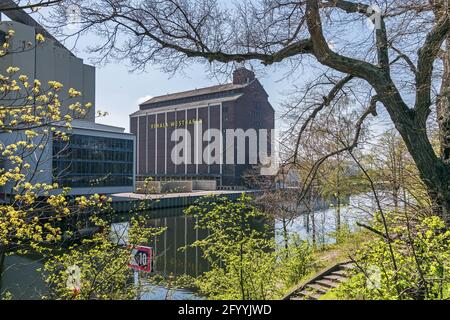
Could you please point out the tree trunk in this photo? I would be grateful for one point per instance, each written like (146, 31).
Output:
(443, 106)
(432, 170)
(338, 213)
(241, 273)
(411, 123)
(395, 191)
(338, 202)
(2, 260)
(311, 213)
(313, 228)
(285, 236)
(441, 200)
(434, 173)
(307, 223)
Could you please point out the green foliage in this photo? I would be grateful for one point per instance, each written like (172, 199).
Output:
(335, 181)
(103, 264)
(295, 262)
(245, 261)
(35, 113)
(344, 234)
(39, 217)
(419, 267)
(6, 296)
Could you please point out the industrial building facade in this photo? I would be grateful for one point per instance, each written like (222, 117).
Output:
(242, 104)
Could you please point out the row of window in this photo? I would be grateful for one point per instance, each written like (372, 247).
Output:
(71, 154)
(89, 161)
(95, 181)
(95, 143)
(90, 168)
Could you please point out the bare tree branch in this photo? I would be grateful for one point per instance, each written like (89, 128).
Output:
(10, 5)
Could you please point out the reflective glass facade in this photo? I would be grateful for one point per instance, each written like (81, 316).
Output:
(89, 161)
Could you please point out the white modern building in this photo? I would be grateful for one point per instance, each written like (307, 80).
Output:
(97, 158)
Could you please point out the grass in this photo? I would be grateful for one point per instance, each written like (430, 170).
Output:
(330, 295)
(329, 255)
(348, 244)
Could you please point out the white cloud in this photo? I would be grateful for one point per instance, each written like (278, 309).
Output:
(143, 99)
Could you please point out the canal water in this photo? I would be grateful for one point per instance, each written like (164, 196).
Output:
(23, 281)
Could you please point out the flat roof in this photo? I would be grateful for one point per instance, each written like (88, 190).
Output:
(11, 10)
(195, 193)
(90, 125)
(194, 93)
(85, 124)
(189, 105)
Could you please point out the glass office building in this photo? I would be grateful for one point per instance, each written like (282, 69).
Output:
(87, 161)
(98, 158)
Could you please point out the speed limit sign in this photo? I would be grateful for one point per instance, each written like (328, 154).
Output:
(141, 258)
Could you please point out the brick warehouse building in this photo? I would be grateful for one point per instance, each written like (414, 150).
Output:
(242, 104)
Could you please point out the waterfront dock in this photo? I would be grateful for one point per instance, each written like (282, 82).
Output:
(126, 202)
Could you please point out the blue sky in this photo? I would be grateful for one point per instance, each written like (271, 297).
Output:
(119, 91)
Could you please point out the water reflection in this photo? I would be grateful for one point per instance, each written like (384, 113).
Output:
(24, 282)
(180, 233)
(21, 278)
(359, 209)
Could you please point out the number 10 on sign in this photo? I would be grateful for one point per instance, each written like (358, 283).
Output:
(141, 258)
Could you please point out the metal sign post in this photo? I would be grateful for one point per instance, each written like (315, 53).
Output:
(141, 259)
